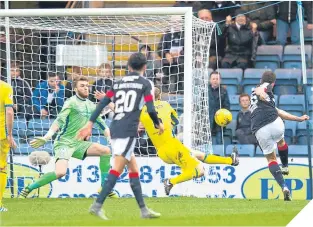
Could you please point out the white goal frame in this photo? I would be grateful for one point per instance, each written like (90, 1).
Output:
(186, 11)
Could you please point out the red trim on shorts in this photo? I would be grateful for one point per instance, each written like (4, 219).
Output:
(114, 172)
(110, 94)
(282, 148)
(148, 98)
(272, 163)
(133, 175)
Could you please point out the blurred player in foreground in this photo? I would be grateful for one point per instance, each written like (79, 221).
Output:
(268, 127)
(74, 115)
(129, 95)
(172, 151)
(6, 137)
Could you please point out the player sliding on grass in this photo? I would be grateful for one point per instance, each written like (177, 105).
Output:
(129, 95)
(74, 115)
(268, 127)
(172, 151)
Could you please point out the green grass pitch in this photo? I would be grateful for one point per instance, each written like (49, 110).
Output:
(179, 211)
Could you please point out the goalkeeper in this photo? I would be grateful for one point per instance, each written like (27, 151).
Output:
(172, 151)
(74, 115)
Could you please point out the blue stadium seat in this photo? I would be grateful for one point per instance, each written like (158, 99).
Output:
(234, 102)
(99, 139)
(218, 150)
(287, 81)
(243, 149)
(259, 152)
(309, 74)
(302, 133)
(269, 57)
(298, 150)
(292, 56)
(232, 79)
(291, 126)
(39, 127)
(252, 78)
(23, 149)
(311, 105)
(234, 114)
(292, 103)
(19, 127)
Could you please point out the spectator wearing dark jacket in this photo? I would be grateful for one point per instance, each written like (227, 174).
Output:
(242, 39)
(153, 69)
(287, 18)
(105, 81)
(171, 50)
(215, 57)
(243, 127)
(48, 97)
(22, 93)
(264, 18)
(218, 98)
(76, 71)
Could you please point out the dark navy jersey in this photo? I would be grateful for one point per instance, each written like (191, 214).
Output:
(129, 95)
(262, 112)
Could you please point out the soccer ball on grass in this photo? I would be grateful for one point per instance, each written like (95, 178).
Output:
(223, 117)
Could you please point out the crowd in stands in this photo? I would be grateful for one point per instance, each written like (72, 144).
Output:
(244, 28)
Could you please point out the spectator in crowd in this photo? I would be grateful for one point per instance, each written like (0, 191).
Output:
(196, 5)
(171, 50)
(221, 9)
(76, 71)
(243, 127)
(264, 18)
(105, 81)
(48, 97)
(242, 41)
(153, 71)
(22, 92)
(206, 15)
(287, 18)
(218, 98)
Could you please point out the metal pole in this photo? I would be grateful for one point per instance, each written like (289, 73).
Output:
(306, 101)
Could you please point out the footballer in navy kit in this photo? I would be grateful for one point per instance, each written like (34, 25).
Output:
(269, 128)
(129, 96)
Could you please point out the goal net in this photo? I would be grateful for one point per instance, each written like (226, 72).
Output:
(47, 52)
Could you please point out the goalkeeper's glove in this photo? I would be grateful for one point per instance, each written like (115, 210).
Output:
(38, 142)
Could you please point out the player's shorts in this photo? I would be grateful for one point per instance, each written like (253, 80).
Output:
(66, 149)
(123, 146)
(4, 150)
(174, 152)
(269, 135)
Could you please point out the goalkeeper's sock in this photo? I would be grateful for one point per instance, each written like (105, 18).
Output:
(108, 186)
(136, 188)
(283, 154)
(277, 174)
(104, 167)
(184, 176)
(3, 184)
(45, 179)
(214, 159)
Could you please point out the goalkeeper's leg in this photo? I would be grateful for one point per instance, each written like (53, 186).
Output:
(60, 171)
(5, 148)
(215, 159)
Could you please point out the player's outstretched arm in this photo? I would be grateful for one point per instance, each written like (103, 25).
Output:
(40, 141)
(85, 132)
(287, 116)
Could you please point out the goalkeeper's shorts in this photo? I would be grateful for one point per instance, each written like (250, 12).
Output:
(67, 149)
(174, 152)
(4, 150)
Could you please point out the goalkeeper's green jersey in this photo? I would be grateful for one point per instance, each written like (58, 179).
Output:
(74, 116)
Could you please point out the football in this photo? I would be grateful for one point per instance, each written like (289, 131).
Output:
(223, 117)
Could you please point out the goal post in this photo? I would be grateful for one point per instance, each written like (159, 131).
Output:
(81, 41)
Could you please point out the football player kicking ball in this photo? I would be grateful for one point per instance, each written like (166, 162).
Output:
(268, 127)
(74, 115)
(172, 151)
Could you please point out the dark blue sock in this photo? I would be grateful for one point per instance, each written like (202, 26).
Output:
(276, 172)
(136, 187)
(283, 154)
(108, 186)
